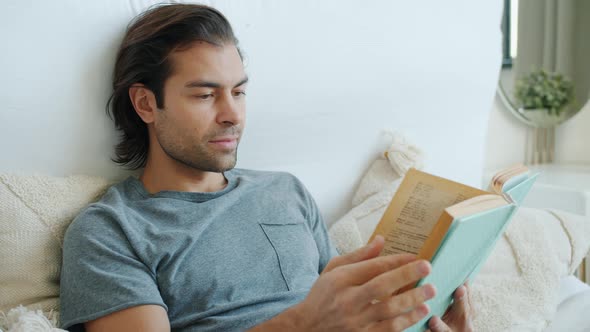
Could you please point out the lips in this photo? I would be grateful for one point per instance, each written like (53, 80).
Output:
(225, 142)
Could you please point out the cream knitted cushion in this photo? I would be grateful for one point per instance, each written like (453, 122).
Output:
(35, 211)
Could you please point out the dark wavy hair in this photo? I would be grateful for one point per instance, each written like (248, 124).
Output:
(144, 58)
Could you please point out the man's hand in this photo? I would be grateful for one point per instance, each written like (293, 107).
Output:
(458, 317)
(342, 299)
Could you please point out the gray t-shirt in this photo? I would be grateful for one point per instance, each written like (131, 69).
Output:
(219, 261)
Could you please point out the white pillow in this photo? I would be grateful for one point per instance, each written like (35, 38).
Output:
(374, 193)
(35, 211)
(21, 319)
(518, 286)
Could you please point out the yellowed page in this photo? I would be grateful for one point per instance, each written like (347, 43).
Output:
(500, 179)
(415, 209)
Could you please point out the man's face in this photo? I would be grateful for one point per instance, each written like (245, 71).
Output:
(204, 107)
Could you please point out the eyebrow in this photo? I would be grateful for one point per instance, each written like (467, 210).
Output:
(206, 84)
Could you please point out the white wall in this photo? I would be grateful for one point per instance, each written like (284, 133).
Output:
(507, 137)
(326, 78)
(572, 142)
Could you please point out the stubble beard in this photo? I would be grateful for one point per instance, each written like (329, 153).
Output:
(199, 156)
(207, 162)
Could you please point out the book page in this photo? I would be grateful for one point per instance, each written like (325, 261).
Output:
(415, 209)
(515, 173)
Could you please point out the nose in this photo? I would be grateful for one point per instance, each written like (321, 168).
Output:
(230, 111)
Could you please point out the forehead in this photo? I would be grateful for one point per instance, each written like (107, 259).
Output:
(201, 60)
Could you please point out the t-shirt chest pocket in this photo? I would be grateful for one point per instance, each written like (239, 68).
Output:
(296, 251)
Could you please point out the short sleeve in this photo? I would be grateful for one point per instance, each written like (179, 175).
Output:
(320, 233)
(101, 273)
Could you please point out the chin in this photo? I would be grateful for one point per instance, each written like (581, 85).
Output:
(224, 165)
(228, 167)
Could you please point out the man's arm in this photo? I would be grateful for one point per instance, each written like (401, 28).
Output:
(143, 318)
(342, 297)
(101, 271)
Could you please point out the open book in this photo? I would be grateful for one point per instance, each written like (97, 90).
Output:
(452, 225)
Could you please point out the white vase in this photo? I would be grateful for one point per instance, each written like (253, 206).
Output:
(541, 118)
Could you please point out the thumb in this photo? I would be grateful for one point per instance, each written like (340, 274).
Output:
(458, 315)
(437, 325)
(369, 251)
(461, 304)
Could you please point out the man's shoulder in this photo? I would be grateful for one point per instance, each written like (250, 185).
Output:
(103, 214)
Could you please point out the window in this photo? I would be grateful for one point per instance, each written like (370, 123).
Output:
(509, 32)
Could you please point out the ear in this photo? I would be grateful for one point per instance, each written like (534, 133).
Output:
(144, 102)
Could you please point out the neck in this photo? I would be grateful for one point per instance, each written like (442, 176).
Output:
(165, 173)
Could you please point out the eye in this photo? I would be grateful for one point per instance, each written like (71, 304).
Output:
(239, 93)
(205, 97)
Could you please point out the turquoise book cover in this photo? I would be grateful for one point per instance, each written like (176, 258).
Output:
(465, 248)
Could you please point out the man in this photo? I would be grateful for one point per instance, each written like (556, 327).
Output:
(196, 245)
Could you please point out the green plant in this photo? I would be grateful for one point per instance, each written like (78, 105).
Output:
(542, 90)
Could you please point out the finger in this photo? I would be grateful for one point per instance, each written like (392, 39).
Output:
(467, 299)
(362, 272)
(469, 307)
(455, 309)
(458, 312)
(369, 251)
(398, 304)
(460, 292)
(437, 325)
(461, 302)
(387, 283)
(402, 321)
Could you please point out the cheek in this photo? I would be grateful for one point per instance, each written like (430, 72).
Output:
(194, 123)
(185, 115)
(241, 106)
